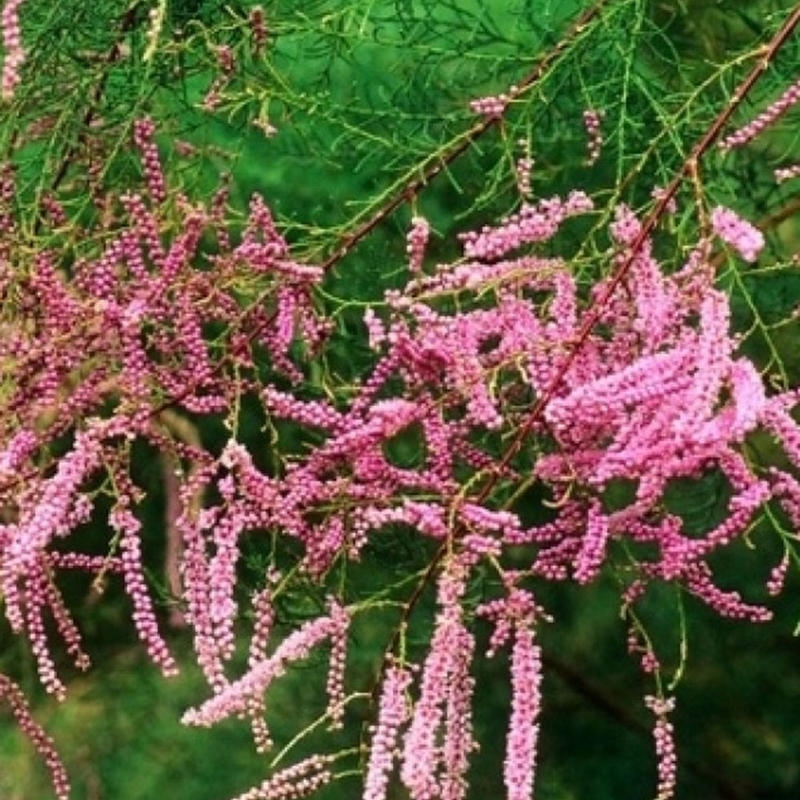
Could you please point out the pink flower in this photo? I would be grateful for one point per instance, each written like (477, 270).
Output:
(523, 730)
(665, 745)
(736, 232)
(392, 713)
(12, 44)
(766, 118)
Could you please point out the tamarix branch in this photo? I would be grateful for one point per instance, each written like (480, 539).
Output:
(498, 420)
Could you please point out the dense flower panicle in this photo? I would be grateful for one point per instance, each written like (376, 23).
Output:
(125, 523)
(36, 602)
(458, 739)
(786, 489)
(130, 327)
(65, 625)
(14, 54)
(143, 132)
(663, 396)
(775, 416)
(445, 693)
(222, 578)
(17, 450)
(533, 223)
(340, 622)
(315, 413)
(663, 407)
(101, 316)
(777, 576)
(515, 616)
(523, 729)
(262, 245)
(626, 226)
(699, 581)
(85, 562)
(737, 232)
(474, 275)
(517, 608)
(427, 518)
(416, 240)
(486, 520)
(264, 613)
(766, 118)
(46, 518)
(593, 546)
(193, 526)
(376, 331)
(392, 714)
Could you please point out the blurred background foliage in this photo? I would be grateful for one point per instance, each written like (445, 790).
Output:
(363, 96)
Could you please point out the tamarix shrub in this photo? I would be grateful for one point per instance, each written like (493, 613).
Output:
(583, 347)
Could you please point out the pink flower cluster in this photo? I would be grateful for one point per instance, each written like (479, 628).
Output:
(125, 523)
(443, 710)
(518, 613)
(491, 106)
(661, 399)
(143, 132)
(533, 223)
(523, 730)
(392, 714)
(766, 118)
(12, 45)
(737, 232)
(417, 239)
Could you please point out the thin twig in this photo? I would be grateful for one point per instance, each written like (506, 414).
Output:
(434, 165)
(111, 57)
